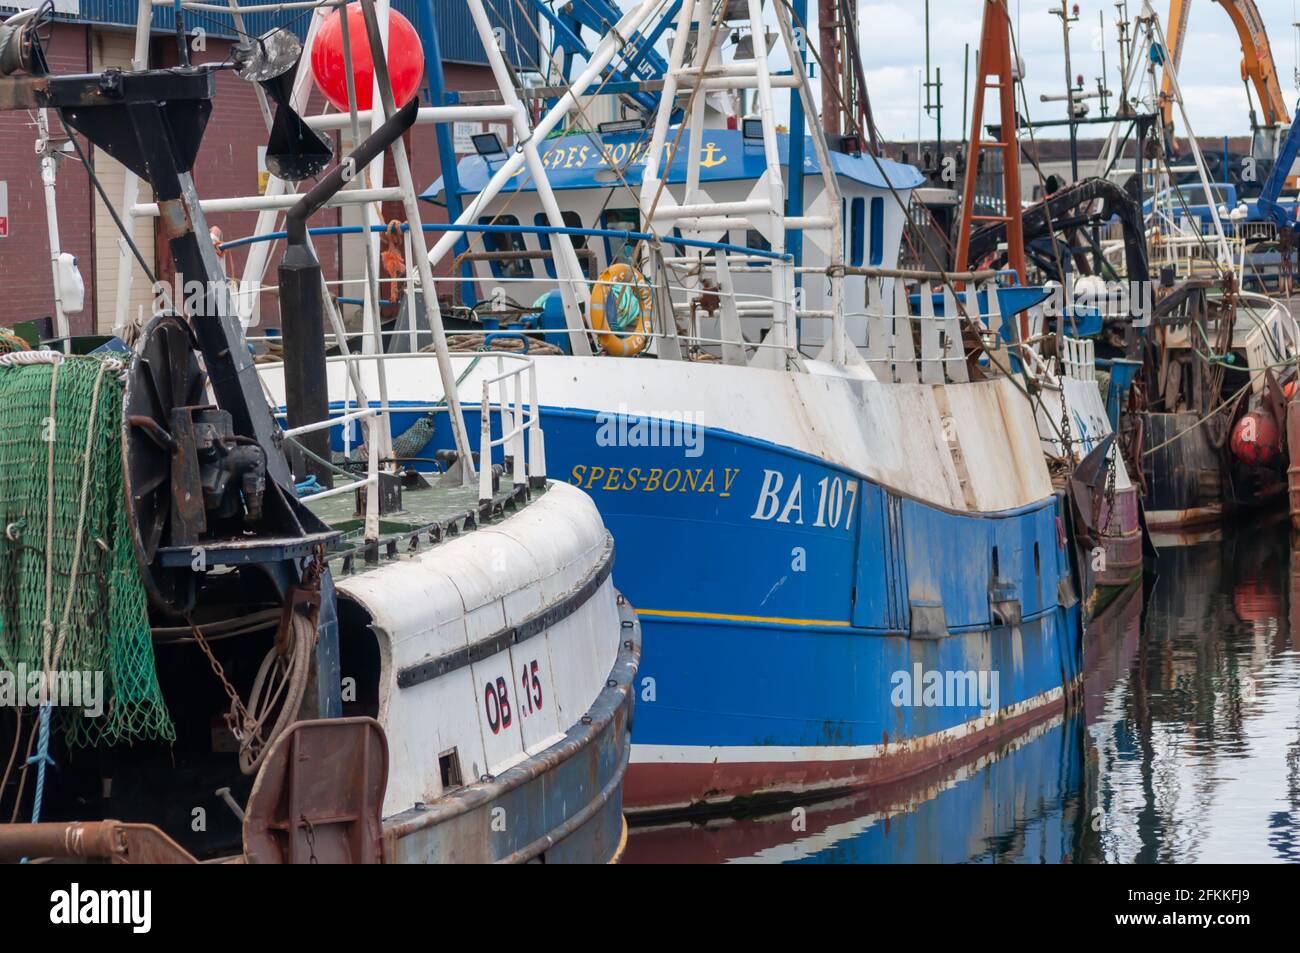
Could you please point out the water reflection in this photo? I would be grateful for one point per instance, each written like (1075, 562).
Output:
(1185, 746)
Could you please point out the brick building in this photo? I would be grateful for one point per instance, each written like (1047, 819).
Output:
(91, 35)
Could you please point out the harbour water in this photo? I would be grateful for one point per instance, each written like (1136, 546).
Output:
(1184, 748)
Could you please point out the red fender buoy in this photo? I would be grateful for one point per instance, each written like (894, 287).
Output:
(405, 59)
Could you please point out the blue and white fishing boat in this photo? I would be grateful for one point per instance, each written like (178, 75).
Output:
(841, 536)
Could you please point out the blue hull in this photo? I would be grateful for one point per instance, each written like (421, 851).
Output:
(1024, 804)
(797, 615)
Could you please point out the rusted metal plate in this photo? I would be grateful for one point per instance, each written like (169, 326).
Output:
(319, 795)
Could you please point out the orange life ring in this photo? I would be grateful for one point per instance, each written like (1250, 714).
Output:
(622, 289)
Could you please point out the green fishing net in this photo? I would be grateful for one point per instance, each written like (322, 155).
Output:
(88, 613)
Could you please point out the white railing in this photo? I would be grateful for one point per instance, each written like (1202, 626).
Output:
(520, 421)
(1274, 338)
(891, 347)
(1079, 359)
(372, 458)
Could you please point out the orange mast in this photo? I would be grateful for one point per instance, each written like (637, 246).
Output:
(993, 70)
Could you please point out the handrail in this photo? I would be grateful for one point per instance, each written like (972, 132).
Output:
(515, 436)
(329, 422)
(521, 230)
(519, 420)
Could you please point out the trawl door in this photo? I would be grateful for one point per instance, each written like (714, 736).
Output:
(880, 583)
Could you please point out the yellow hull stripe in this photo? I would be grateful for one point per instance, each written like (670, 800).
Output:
(727, 617)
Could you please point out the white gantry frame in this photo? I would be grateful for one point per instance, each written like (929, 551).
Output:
(699, 217)
(280, 195)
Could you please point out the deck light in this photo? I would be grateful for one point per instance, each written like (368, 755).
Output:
(614, 127)
(488, 144)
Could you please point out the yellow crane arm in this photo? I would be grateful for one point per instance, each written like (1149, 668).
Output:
(1257, 65)
(1175, 34)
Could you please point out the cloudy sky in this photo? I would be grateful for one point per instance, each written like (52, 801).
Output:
(893, 48)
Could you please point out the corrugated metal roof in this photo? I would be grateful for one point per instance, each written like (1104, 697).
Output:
(456, 33)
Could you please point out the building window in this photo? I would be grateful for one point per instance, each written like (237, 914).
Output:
(506, 241)
(877, 231)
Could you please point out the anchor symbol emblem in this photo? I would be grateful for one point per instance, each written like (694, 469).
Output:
(710, 158)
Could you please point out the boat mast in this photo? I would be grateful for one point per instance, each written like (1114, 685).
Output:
(843, 81)
(829, 30)
(993, 70)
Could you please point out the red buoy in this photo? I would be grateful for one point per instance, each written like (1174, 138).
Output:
(405, 59)
(1256, 440)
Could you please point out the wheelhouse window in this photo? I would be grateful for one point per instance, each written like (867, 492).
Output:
(877, 231)
(857, 231)
(506, 242)
(620, 220)
(571, 220)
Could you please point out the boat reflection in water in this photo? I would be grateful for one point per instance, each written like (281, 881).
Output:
(1197, 749)
(1184, 747)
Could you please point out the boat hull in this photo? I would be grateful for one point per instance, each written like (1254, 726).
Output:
(803, 558)
(563, 805)
(1122, 541)
(506, 659)
(773, 652)
(725, 750)
(1191, 484)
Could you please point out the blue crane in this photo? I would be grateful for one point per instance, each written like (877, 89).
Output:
(636, 62)
(1282, 216)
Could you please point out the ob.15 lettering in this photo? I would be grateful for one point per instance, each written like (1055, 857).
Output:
(496, 697)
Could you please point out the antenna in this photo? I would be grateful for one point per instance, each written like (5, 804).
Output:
(933, 94)
(1068, 16)
(1102, 92)
(1121, 7)
(1295, 25)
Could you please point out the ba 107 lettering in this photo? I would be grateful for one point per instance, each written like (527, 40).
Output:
(836, 500)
